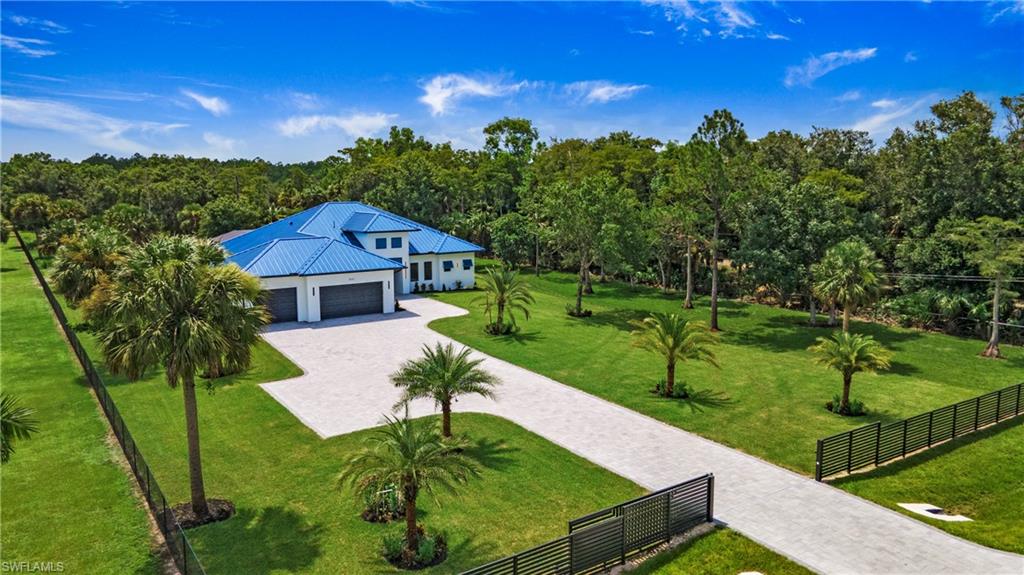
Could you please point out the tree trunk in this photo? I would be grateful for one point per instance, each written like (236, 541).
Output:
(992, 349)
(195, 462)
(844, 403)
(846, 319)
(588, 288)
(664, 276)
(446, 418)
(501, 315)
(714, 274)
(670, 379)
(688, 302)
(832, 313)
(579, 288)
(536, 255)
(411, 536)
(814, 312)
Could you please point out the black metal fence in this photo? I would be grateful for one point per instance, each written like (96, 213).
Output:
(876, 443)
(184, 557)
(608, 537)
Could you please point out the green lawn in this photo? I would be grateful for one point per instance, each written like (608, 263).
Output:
(65, 499)
(767, 399)
(978, 476)
(721, 552)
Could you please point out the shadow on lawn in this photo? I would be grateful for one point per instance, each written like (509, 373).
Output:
(492, 454)
(791, 333)
(271, 539)
(703, 399)
(924, 457)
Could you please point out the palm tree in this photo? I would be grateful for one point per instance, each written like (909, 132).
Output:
(171, 304)
(413, 456)
(505, 291)
(443, 374)
(675, 339)
(851, 275)
(848, 354)
(16, 422)
(85, 261)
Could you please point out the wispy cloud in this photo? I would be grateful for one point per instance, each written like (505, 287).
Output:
(357, 125)
(642, 32)
(910, 57)
(31, 47)
(774, 36)
(104, 132)
(43, 78)
(1006, 9)
(304, 101)
(212, 104)
(884, 103)
(848, 96)
(882, 123)
(817, 66)
(442, 93)
(601, 91)
(730, 19)
(38, 24)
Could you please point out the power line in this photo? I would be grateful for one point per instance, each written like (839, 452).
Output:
(950, 277)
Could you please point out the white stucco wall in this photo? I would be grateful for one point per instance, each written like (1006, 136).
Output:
(308, 295)
(441, 277)
(369, 242)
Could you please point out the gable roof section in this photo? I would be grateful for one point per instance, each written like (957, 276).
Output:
(322, 240)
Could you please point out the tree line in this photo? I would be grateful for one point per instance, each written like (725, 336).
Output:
(718, 214)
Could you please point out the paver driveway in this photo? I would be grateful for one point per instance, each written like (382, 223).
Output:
(345, 388)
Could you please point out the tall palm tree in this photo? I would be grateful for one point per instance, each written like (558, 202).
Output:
(413, 456)
(505, 291)
(849, 354)
(443, 374)
(851, 275)
(85, 261)
(171, 304)
(676, 340)
(16, 422)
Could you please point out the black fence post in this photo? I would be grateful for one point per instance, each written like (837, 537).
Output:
(1016, 411)
(817, 462)
(999, 406)
(952, 432)
(668, 518)
(905, 437)
(931, 418)
(849, 452)
(622, 539)
(711, 498)
(878, 440)
(977, 411)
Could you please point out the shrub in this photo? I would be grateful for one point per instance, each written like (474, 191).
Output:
(391, 546)
(680, 391)
(856, 407)
(494, 328)
(383, 504)
(432, 550)
(458, 284)
(427, 551)
(571, 310)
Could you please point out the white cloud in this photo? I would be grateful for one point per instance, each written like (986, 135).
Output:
(884, 103)
(910, 57)
(642, 32)
(220, 145)
(817, 66)
(728, 18)
(356, 125)
(601, 91)
(304, 101)
(105, 132)
(212, 104)
(882, 123)
(31, 47)
(797, 20)
(38, 23)
(848, 96)
(774, 36)
(1015, 8)
(442, 93)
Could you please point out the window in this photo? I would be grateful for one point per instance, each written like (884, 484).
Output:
(382, 243)
(399, 260)
(467, 264)
(428, 271)
(414, 272)
(447, 264)
(396, 242)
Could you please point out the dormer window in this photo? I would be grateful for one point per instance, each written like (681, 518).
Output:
(381, 243)
(396, 242)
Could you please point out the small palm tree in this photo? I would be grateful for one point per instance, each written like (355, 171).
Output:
(505, 291)
(676, 340)
(851, 275)
(848, 354)
(172, 304)
(413, 456)
(16, 422)
(443, 374)
(85, 261)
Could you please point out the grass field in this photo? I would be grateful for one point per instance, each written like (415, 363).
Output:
(978, 476)
(767, 398)
(64, 497)
(720, 552)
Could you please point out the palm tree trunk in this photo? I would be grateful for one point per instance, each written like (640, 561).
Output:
(844, 403)
(832, 313)
(992, 349)
(670, 379)
(446, 418)
(814, 312)
(411, 536)
(501, 315)
(688, 302)
(846, 319)
(714, 274)
(195, 462)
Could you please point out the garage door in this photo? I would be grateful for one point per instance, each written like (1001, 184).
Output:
(352, 299)
(283, 305)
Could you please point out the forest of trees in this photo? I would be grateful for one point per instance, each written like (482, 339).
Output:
(623, 205)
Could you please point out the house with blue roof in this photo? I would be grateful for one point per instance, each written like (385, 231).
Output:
(341, 259)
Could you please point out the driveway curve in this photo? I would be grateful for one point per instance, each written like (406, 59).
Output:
(345, 388)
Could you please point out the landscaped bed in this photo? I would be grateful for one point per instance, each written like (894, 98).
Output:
(65, 499)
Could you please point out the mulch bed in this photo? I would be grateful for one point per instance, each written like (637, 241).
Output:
(220, 509)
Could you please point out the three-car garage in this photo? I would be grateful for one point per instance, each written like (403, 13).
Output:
(317, 298)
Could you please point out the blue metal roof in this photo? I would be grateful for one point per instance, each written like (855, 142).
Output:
(278, 247)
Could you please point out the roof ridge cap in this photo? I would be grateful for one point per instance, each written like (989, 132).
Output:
(321, 208)
(315, 255)
(259, 256)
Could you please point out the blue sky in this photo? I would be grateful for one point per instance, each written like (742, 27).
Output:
(294, 82)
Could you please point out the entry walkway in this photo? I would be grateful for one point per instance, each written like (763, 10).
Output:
(345, 388)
